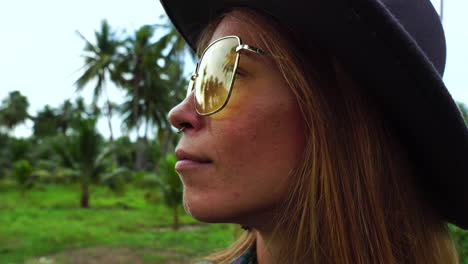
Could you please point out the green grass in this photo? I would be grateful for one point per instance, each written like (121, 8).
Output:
(48, 220)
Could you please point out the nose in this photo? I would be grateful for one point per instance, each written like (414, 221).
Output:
(184, 115)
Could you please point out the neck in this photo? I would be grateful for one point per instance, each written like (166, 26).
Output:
(267, 247)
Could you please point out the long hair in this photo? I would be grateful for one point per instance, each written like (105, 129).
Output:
(354, 198)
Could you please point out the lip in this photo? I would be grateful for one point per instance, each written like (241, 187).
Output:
(188, 161)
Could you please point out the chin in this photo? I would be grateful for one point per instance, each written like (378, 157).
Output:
(208, 212)
(214, 211)
(207, 207)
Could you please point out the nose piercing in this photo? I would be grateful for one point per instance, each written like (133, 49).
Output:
(181, 129)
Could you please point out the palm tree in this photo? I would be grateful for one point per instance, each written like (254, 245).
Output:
(84, 153)
(171, 187)
(176, 81)
(23, 173)
(146, 91)
(67, 115)
(86, 111)
(177, 85)
(13, 110)
(100, 64)
(178, 48)
(152, 74)
(45, 122)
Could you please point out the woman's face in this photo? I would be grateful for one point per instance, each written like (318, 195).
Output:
(236, 165)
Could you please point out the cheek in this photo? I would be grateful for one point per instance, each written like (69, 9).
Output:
(257, 141)
(267, 127)
(271, 150)
(257, 133)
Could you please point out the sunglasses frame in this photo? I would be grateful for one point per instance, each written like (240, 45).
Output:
(194, 76)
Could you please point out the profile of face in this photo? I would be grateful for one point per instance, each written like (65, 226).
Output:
(236, 165)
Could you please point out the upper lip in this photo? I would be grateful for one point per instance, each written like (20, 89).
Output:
(182, 155)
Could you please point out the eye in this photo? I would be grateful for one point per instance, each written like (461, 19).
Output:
(240, 73)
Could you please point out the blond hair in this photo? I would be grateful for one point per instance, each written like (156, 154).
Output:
(354, 199)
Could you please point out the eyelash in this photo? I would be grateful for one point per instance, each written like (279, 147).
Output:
(240, 73)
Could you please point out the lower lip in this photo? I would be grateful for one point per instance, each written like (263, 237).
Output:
(182, 165)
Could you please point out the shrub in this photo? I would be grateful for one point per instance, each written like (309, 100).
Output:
(23, 174)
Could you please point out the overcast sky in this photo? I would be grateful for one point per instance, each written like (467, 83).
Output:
(40, 51)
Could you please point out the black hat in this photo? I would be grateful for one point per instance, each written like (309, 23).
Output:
(396, 49)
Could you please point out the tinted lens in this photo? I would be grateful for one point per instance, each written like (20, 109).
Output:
(215, 75)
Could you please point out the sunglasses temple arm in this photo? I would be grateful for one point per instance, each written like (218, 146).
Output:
(250, 48)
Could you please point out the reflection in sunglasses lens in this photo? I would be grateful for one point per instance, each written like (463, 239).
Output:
(215, 75)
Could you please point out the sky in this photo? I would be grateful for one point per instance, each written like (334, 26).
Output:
(40, 52)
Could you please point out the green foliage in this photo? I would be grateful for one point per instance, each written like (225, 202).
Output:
(13, 110)
(51, 121)
(12, 150)
(51, 173)
(45, 122)
(82, 151)
(124, 152)
(85, 152)
(43, 152)
(100, 58)
(460, 237)
(66, 148)
(146, 179)
(171, 186)
(144, 104)
(168, 183)
(116, 179)
(155, 153)
(67, 116)
(152, 197)
(22, 172)
(20, 149)
(464, 111)
(5, 158)
(101, 61)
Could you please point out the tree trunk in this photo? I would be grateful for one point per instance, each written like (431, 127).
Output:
(146, 128)
(109, 115)
(140, 161)
(175, 217)
(135, 113)
(84, 199)
(136, 92)
(109, 120)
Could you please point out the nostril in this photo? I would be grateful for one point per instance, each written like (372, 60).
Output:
(185, 125)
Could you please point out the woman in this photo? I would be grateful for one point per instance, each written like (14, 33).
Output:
(324, 128)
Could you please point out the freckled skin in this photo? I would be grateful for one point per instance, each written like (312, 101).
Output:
(254, 142)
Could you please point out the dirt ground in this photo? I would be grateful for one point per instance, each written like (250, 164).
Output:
(106, 255)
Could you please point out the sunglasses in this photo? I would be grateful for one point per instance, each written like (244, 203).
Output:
(214, 75)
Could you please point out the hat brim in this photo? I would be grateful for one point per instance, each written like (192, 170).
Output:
(375, 47)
